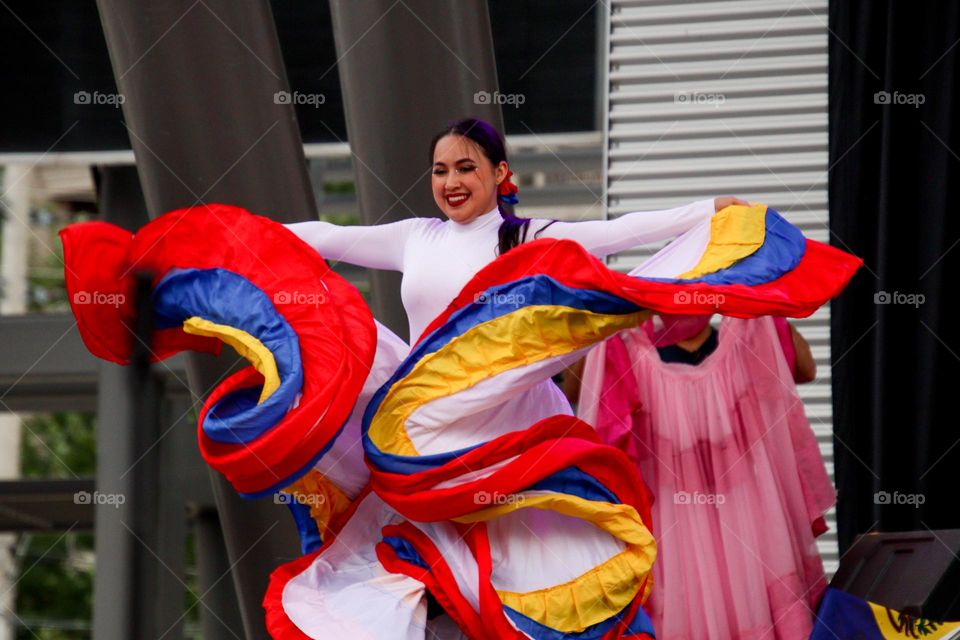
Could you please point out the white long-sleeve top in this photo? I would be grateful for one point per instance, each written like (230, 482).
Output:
(438, 257)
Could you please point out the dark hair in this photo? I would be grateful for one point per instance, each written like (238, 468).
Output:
(513, 229)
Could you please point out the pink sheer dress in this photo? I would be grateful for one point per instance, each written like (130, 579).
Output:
(739, 484)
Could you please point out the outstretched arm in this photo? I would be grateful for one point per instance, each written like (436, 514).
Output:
(604, 237)
(805, 368)
(376, 247)
(796, 351)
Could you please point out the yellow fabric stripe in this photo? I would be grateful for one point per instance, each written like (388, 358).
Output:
(588, 599)
(325, 499)
(619, 520)
(888, 630)
(599, 593)
(735, 232)
(243, 343)
(530, 334)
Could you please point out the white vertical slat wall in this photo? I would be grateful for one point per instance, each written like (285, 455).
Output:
(724, 97)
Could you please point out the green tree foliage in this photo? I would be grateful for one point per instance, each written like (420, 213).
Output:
(55, 588)
(59, 445)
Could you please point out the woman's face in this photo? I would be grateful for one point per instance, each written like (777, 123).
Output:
(464, 180)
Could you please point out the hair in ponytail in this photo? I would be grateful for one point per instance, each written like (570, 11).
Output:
(513, 229)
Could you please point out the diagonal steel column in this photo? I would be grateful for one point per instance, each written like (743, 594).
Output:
(406, 69)
(152, 461)
(134, 587)
(199, 81)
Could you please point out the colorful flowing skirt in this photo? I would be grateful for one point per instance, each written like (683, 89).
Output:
(453, 466)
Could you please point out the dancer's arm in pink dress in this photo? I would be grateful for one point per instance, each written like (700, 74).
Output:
(797, 352)
(805, 368)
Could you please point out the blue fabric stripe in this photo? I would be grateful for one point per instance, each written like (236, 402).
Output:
(310, 538)
(782, 249)
(841, 615)
(224, 297)
(639, 624)
(405, 551)
(575, 482)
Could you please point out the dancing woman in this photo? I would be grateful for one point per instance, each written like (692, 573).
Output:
(474, 480)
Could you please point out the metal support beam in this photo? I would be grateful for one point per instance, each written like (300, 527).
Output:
(220, 616)
(45, 506)
(129, 578)
(406, 69)
(200, 82)
(139, 539)
(45, 366)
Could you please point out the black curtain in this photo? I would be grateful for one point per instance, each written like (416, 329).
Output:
(894, 194)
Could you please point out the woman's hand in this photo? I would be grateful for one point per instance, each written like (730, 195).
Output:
(805, 367)
(725, 201)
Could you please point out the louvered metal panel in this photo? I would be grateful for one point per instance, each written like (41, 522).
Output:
(724, 97)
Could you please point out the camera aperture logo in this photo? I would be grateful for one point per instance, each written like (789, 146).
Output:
(714, 99)
(912, 99)
(896, 498)
(311, 99)
(513, 99)
(698, 498)
(699, 298)
(496, 498)
(297, 497)
(911, 299)
(97, 297)
(299, 297)
(114, 100)
(112, 499)
(515, 300)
